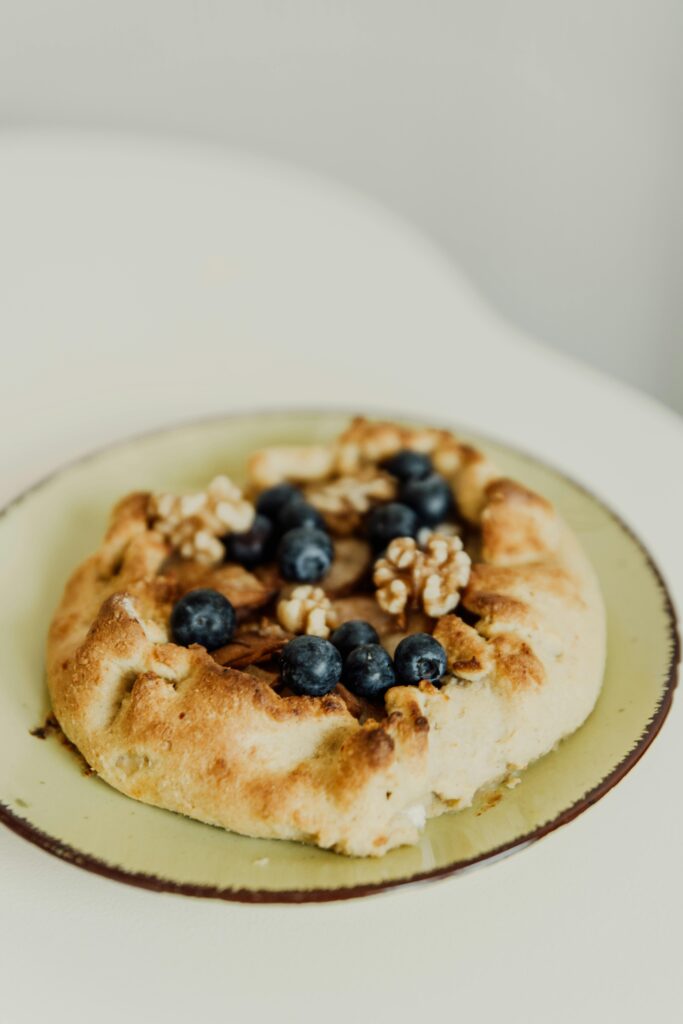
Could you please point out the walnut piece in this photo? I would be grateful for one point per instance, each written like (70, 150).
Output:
(194, 522)
(307, 610)
(444, 529)
(408, 577)
(344, 501)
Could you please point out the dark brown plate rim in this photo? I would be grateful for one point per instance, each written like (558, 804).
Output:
(142, 880)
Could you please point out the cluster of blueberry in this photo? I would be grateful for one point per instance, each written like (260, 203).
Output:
(290, 529)
(313, 666)
(425, 499)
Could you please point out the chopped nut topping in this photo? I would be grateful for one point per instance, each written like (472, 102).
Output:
(433, 577)
(194, 522)
(345, 500)
(307, 610)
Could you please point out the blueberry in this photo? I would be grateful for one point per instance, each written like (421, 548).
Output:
(296, 513)
(431, 498)
(254, 546)
(352, 634)
(310, 666)
(203, 617)
(419, 656)
(270, 502)
(387, 522)
(407, 465)
(368, 671)
(304, 555)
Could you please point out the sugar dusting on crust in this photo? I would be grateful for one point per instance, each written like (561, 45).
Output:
(129, 608)
(416, 815)
(152, 630)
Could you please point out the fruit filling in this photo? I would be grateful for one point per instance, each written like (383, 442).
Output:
(325, 581)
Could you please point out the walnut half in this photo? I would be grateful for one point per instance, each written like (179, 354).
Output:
(192, 523)
(344, 501)
(408, 577)
(307, 610)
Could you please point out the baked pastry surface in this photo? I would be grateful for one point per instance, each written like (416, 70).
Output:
(216, 737)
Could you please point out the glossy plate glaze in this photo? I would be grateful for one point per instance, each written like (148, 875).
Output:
(46, 797)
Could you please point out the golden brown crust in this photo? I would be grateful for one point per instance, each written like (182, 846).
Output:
(219, 738)
(517, 525)
(468, 653)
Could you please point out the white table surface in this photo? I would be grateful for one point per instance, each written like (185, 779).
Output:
(146, 284)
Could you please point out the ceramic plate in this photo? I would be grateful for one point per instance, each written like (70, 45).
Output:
(48, 799)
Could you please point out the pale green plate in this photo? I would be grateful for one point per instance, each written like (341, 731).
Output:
(47, 798)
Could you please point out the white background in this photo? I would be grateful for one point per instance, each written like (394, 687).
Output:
(540, 144)
(540, 141)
